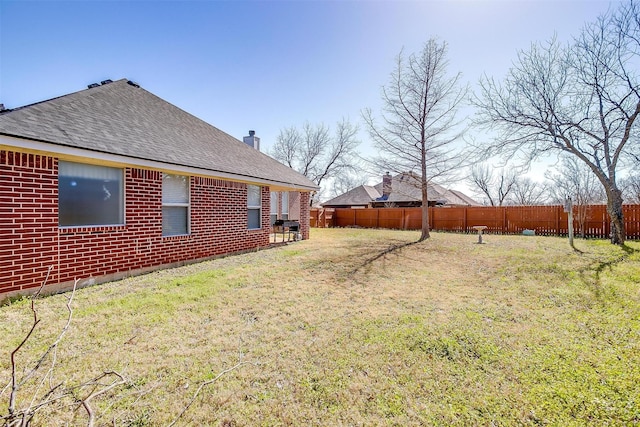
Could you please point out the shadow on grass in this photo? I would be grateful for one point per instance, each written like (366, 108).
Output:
(381, 254)
(600, 267)
(628, 249)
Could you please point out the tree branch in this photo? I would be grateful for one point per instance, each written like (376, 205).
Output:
(203, 385)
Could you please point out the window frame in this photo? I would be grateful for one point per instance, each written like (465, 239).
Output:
(186, 205)
(257, 207)
(273, 207)
(284, 208)
(121, 189)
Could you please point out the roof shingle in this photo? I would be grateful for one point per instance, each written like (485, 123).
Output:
(405, 188)
(123, 119)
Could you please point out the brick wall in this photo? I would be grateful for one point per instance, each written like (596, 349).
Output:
(304, 215)
(28, 219)
(31, 242)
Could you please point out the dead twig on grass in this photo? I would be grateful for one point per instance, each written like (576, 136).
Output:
(14, 378)
(56, 393)
(203, 385)
(97, 392)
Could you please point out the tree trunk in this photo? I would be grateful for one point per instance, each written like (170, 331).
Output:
(425, 223)
(425, 213)
(614, 209)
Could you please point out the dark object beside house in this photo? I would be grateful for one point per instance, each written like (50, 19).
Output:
(287, 228)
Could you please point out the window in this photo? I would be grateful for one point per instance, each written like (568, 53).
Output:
(254, 204)
(89, 195)
(285, 205)
(273, 216)
(175, 205)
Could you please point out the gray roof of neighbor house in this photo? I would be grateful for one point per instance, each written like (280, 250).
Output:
(359, 196)
(123, 119)
(404, 188)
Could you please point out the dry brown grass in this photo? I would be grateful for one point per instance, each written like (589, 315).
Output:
(519, 330)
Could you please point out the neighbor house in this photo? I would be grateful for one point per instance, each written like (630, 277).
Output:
(401, 190)
(112, 181)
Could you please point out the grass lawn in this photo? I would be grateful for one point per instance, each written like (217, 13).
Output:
(334, 331)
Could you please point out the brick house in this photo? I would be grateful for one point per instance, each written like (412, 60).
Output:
(113, 181)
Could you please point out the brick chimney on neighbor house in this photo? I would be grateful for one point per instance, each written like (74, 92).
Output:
(386, 185)
(252, 140)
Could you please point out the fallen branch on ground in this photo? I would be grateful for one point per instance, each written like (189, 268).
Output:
(56, 393)
(203, 385)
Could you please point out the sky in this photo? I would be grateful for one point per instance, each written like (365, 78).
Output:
(265, 65)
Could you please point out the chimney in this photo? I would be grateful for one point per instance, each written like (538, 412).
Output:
(386, 185)
(252, 140)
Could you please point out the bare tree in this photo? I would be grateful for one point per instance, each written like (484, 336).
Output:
(575, 179)
(494, 186)
(631, 188)
(344, 182)
(528, 192)
(288, 147)
(582, 98)
(316, 153)
(418, 123)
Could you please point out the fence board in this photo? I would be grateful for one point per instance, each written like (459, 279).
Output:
(391, 218)
(632, 221)
(450, 219)
(492, 217)
(545, 220)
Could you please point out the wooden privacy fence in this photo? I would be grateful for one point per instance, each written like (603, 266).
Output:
(545, 220)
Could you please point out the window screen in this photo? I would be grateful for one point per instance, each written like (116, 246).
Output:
(89, 195)
(254, 204)
(175, 205)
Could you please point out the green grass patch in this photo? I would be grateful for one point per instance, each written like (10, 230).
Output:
(343, 329)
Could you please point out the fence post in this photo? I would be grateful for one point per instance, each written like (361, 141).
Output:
(504, 220)
(464, 219)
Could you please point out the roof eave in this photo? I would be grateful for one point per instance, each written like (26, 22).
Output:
(22, 143)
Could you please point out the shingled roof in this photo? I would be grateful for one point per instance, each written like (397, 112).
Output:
(359, 196)
(405, 189)
(120, 118)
